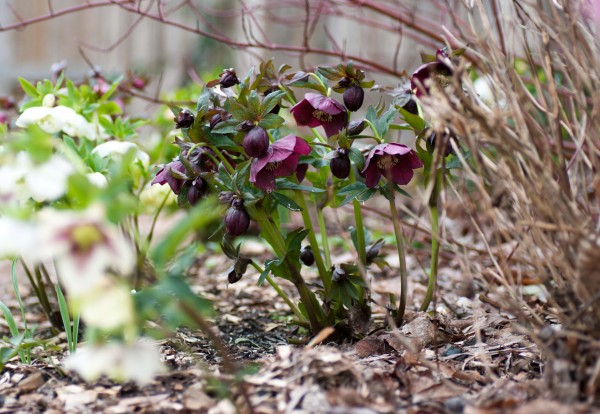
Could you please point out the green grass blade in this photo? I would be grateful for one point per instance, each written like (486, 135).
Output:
(15, 283)
(64, 314)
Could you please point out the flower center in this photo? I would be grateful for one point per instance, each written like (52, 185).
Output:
(386, 162)
(322, 116)
(85, 237)
(272, 166)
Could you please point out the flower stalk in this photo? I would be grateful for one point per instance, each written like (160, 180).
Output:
(435, 248)
(401, 256)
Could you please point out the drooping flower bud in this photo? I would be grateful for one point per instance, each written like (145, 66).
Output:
(446, 137)
(338, 274)
(340, 165)
(256, 142)
(356, 127)
(411, 106)
(138, 83)
(184, 119)
(239, 268)
(228, 78)
(226, 197)
(306, 256)
(237, 219)
(196, 190)
(354, 97)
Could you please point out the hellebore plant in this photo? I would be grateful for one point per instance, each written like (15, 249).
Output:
(258, 168)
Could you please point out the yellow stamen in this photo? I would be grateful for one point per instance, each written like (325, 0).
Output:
(322, 116)
(386, 162)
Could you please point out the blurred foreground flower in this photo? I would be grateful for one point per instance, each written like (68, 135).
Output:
(119, 148)
(395, 162)
(139, 362)
(84, 247)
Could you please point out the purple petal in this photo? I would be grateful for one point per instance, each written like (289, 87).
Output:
(301, 172)
(303, 114)
(301, 146)
(338, 122)
(287, 167)
(401, 175)
(372, 175)
(414, 161)
(393, 148)
(265, 180)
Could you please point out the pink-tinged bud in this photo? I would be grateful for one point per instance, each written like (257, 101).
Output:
(237, 220)
(3, 118)
(340, 165)
(228, 78)
(354, 97)
(184, 119)
(138, 83)
(256, 142)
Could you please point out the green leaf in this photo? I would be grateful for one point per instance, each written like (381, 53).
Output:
(271, 121)
(365, 195)
(415, 121)
(28, 88)
(352, 188)
(285, 201)
(357, 158)
(271, 101)
(330, 73)
(240, 112)
(10, 321)
(231, 126)
(254, 104)
(285, 184)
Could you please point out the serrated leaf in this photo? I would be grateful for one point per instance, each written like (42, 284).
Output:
(254, 104)
(364, 196)
(285, 201)
(28, 88)
(231, 126)
(271, 101)
(175, 109)
(240, 112)
(330, 73)
(271, 121)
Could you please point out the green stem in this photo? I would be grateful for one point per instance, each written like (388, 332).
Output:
(314, 245)
(274, 237)
(324, 238)
(435, 248)
(401, 256)
(376, 137)
(280, 292)
(222, 158)
(360, 229)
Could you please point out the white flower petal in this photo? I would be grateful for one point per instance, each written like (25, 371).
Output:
(18, 238)
(42, 116)
(107, 306)
(139, 362)
(48, 181)
(97, 179)
(111, 148)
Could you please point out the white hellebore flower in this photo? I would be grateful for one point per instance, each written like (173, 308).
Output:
(84, 247)
(120, 148)
(53, 119)
(17, 238)
(108, 306)
(97, 179)
(139, 362)
(48, 181)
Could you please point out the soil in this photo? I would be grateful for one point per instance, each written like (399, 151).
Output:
(467, 357)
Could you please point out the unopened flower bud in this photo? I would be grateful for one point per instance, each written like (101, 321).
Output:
(215, 120)
(239, 268)
(184, 119)
(446, 136)
(228, 78)
(356, 127)
(344, 82)
(138, 83)
(237, 219)
(373, 252)
(340, 165)
(306, 256)
(247, 126)
(196, 190)
(411, 106)
(49, 100)
(3, 118)
(338, 275)
(256, 142)
(354, 97)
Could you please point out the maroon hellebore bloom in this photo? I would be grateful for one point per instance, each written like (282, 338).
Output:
(165, 176)
(280, 160)
(318, 110)
(436, 72)
(395, 162)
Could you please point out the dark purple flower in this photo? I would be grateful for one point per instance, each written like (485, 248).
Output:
(436, 72)
(171, 174)
(256, 142)
(280, 160)
(318, 110)
(395, 162)
(184, 119)
(307, 256)
(198, 188)
(354, 97)
(228, 78)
